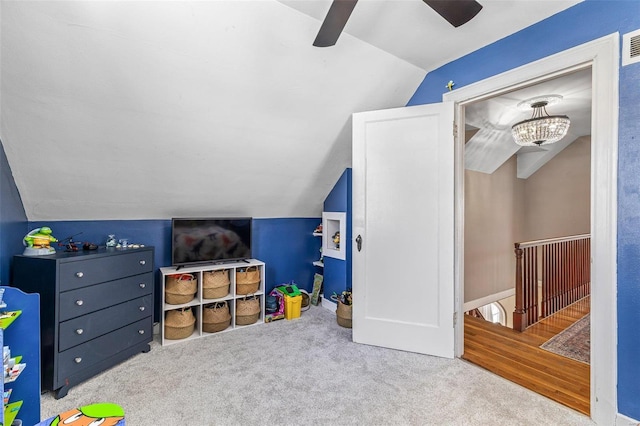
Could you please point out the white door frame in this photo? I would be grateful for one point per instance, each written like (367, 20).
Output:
(602, 56)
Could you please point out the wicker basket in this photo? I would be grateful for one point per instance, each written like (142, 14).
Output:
(179, 324)
(180, 288)
(247, 310)
(215, 317)
(344, 314)
(215, 284)
(248, 280)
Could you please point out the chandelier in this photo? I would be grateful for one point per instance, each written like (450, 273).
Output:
(541, 128)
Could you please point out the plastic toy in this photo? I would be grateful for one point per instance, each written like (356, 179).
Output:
(38, 242)
(279, 313)
(336, 239)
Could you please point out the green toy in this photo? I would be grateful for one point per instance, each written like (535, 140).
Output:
(290, 290)
(39, 237)
(38, 242)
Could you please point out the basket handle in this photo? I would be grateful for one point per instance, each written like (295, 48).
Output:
(217, 305)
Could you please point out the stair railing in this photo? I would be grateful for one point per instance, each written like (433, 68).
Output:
(564, 267)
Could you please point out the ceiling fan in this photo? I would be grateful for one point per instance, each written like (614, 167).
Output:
(456, 12)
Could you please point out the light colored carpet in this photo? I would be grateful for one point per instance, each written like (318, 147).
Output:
(306, 371)
(573, 342)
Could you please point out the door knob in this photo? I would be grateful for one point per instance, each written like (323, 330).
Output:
(359, 242)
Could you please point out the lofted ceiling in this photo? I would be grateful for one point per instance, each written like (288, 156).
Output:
(151, 110)
(491, 120)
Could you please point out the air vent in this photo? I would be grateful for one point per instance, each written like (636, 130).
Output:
(631, 48)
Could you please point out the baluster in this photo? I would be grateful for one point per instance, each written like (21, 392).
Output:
(564, 267)
(519, 312)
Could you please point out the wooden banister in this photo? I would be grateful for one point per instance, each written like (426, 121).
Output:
(564, 265)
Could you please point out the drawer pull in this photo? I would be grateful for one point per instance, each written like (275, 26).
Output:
(141, 308)
(142, 285)
(143, 262)
(79, 302)
(79, 331)
(79, 274)
(78, 360)
(141, 331)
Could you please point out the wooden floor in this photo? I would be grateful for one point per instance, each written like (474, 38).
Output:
(518, 358)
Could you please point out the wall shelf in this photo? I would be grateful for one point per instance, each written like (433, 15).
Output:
(332, 224)
(20, 331)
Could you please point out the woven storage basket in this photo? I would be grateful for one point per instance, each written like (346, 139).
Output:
(180, 288)
(215, 284)
(216, 317)
(179, 324)
(343, 314)
(248, 281)
(247, 310)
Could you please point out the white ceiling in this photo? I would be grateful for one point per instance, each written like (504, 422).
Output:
(150, 110)
(493, 144)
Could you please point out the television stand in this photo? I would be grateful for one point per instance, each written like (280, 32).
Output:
(199, 302)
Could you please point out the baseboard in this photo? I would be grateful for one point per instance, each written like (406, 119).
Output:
(622, 420)
(473, 304)
(328, 304)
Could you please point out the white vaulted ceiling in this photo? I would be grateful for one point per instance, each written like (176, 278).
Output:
(491, 120)
(149, 110)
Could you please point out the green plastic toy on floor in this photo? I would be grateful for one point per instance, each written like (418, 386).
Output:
(108, 414)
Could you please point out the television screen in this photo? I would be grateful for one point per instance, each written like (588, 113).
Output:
(202, 240)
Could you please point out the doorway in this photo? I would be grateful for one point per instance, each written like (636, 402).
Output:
(601, 56)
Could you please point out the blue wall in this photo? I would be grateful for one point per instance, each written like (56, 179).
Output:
(337, 273)
(287, 246)
(584, 22)
(13, 220)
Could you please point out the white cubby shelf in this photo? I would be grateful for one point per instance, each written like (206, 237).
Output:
(198, 302)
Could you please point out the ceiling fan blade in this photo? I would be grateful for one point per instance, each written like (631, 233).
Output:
(334, 22)
(456, 12)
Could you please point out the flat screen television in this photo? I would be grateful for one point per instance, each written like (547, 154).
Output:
(210, 240)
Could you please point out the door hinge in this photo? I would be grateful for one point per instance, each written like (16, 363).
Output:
(455, 130)
(455, 319)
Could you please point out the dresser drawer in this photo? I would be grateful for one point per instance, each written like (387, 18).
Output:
(82, 329)
(93, 271)
(81, 357)
(89, 299)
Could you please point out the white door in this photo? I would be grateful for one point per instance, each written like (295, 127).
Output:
(403, 207)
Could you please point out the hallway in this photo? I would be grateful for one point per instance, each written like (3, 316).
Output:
(517, 356)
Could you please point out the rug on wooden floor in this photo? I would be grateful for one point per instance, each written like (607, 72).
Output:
(574, 342)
